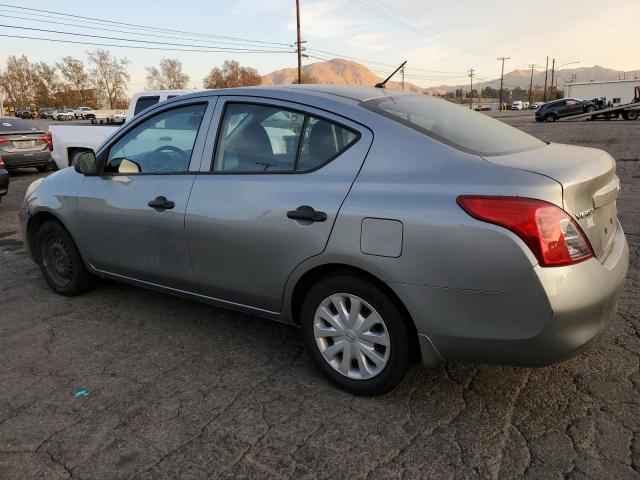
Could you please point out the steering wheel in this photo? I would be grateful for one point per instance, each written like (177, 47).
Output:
(170, 148)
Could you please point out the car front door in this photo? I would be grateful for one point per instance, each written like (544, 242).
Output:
(278, 176)
(132, 214)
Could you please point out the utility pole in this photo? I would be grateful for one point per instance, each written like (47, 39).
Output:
(402, 77)
(531, 66)
(546, 72)
(502, 59)
(471, 90)
(299, 43)
(553, 71)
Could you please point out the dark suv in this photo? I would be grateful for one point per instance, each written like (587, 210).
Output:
(23, 112)
(552, 111)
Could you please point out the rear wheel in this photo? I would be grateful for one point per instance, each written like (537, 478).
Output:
(632, 115)
(42, 168)
(355, 334)
(60, 261)
(591, 108)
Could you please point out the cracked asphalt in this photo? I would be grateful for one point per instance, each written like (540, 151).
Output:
(183, 390)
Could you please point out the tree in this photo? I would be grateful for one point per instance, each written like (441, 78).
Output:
(306, 79)
(232, 74)
(18, 81)
(110, 75)
(47, 84)
(169, 76)
(76, 83)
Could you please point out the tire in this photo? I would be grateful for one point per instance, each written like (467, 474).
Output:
(550, 118)
(393, 360)
(633, 115)
(42, 168)
(591, 108)
(60, 261)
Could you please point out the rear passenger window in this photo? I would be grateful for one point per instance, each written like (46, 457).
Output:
(322, 142)
(264, 139)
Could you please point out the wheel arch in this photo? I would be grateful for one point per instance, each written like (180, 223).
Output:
(35, 222)
(318, 272)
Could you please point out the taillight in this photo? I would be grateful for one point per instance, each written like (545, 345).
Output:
(551, 234)
(47, 138)
(1, 162)
(2, 140)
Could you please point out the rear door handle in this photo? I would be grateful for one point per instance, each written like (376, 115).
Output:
(161, 203)
(305, 212)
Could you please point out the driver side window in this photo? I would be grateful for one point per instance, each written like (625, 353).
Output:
(160, 144)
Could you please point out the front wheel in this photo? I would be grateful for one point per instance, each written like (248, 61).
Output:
(591, 108)
(355, 334)
(60, 261)
(632, 115)
(550, 118)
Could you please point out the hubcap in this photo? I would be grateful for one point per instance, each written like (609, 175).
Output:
(351, 336)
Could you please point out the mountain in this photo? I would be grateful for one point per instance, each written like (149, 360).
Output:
(521, 78)
(337, 72)
(347, 72)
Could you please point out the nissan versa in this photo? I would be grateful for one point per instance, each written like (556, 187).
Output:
(389, 226)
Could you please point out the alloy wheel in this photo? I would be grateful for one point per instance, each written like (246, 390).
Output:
(351, 336)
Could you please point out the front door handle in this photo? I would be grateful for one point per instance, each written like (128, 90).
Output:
(305, 212)
(161, 203)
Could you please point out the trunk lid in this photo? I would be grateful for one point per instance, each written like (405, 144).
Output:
(19, 142)
(590, 186)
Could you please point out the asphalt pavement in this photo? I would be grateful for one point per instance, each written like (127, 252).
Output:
(127, 383)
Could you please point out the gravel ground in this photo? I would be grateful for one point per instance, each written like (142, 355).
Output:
(178, 389)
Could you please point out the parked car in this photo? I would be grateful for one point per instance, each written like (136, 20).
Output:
(4, 179)
(63, 114)
(85, 113)
(482, 108)
(536, 105)
(117, 118)
(72, 138)
(552, 111)
(517, 105)
(23, 145)
(387, 225)
(23, 112)
(45, 112)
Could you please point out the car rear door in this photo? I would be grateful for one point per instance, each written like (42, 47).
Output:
(269, 196)
(132, 215)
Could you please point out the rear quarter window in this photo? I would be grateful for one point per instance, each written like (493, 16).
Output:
(145, 102)
(454, 125)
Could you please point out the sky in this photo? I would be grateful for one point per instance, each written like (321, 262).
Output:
(440, 40)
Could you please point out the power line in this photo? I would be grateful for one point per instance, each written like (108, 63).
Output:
(414, 26)
(102, 28)
(103, 37)
(421, 24)
(77, 42)
(155, 29)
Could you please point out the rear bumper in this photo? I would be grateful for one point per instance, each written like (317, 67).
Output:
(4, 182)
(546, 316)
(29, 159)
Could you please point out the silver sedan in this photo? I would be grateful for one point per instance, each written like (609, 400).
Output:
(390, 227)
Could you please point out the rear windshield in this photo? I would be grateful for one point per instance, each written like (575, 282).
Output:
(13, 124)
(454, 125)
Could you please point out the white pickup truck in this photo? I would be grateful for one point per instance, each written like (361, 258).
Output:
(68, 139)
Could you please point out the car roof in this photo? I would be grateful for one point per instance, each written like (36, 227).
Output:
(343, 93)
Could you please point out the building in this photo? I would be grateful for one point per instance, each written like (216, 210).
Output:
(615, 91)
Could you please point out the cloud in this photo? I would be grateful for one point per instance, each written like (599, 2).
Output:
(326, 20)
(372, 41)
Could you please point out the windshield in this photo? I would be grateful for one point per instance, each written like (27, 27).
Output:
(454, 125)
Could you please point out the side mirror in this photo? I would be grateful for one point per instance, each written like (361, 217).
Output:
(85, 162)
